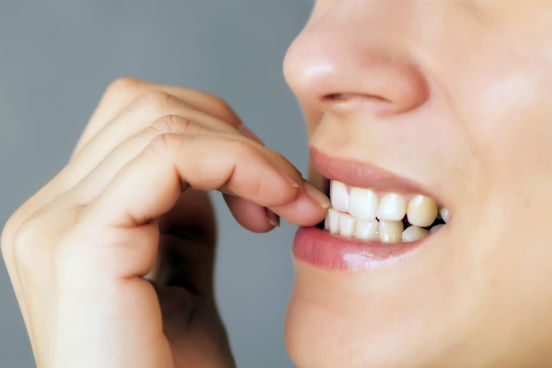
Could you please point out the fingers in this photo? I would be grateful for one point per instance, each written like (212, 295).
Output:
(116, 121)
(140, 115)
(308, 208)
(250, 215)
(150, 185)
(95, 182)
(123, 91)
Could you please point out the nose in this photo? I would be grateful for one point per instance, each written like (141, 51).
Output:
(353, 57)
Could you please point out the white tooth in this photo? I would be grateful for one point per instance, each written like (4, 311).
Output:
(327, 221)
(445, 215)
(436, 228)
(422, 211)
(392, 207)
(363, 203)
(333, 217)
(367, 229)
(390, 231)
(346, 225)
(339, 196)
(413, 233)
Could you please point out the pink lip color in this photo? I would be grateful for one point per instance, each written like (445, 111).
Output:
(360, 174)
(320, 249)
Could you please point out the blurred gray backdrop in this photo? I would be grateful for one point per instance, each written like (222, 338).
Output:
(56, 58)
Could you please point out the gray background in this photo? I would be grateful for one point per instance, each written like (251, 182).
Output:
(56, 58)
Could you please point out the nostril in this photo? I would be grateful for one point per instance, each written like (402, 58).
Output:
(349, 96)
(335, 97)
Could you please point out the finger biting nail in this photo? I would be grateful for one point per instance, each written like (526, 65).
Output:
(317, 195)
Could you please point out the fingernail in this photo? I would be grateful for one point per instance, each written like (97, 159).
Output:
(273, 219)
(317, 195)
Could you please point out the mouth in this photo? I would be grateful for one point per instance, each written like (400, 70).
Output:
(376, 218)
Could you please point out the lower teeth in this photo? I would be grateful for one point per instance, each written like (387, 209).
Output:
(345, 225)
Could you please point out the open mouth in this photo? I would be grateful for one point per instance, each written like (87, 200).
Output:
(368, 215)
(376, 218)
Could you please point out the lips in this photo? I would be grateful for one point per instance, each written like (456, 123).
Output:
(377, 217)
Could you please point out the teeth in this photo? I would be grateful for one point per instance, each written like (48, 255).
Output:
(357, 213)
(346, 225)
(392, 207)
(367, 229)
(332, 221)
(422, 211)
(339, 196)
(445, 215)
(390, 231)
(363, 203)
(413, 233)
(436, 228)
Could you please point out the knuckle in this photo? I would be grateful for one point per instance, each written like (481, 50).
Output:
(158, 101)
(163, 144)
(122, 86)
(10, 232)
(5, 242)
(27, 240)
(172, 124)
(218, 102)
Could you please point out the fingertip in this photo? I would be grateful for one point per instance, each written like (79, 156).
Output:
(304, 210)
(316, 195)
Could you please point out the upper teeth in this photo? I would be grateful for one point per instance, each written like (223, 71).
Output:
(392, 207)
(355, 211)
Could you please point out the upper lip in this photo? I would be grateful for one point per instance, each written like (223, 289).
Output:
(362, 174)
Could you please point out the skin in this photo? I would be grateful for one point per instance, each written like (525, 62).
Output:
(451, 94)
(129, 203)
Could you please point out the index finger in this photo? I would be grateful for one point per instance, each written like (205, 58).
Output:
(150, 184)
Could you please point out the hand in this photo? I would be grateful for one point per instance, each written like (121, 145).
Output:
(129, 203)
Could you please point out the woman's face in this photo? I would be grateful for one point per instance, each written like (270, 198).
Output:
(452, 99)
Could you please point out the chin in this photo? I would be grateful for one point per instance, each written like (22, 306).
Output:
(359, 320)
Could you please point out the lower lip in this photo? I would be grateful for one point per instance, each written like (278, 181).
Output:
(318, 248)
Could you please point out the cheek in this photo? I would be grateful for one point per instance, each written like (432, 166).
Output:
(504, 101)
(508, 117)
(513, 124)
(509, 120)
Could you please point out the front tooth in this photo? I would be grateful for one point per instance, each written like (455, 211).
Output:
(339, 196)
(332, 221)
(363, 203)
(367, 229)
(445, 214)
(346, 225)
(413, 233)
(390, 231)
(422, 211)
(392, 207)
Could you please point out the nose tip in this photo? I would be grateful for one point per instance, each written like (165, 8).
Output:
(333, 69)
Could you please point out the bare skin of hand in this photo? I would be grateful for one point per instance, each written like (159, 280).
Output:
(131, 202)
